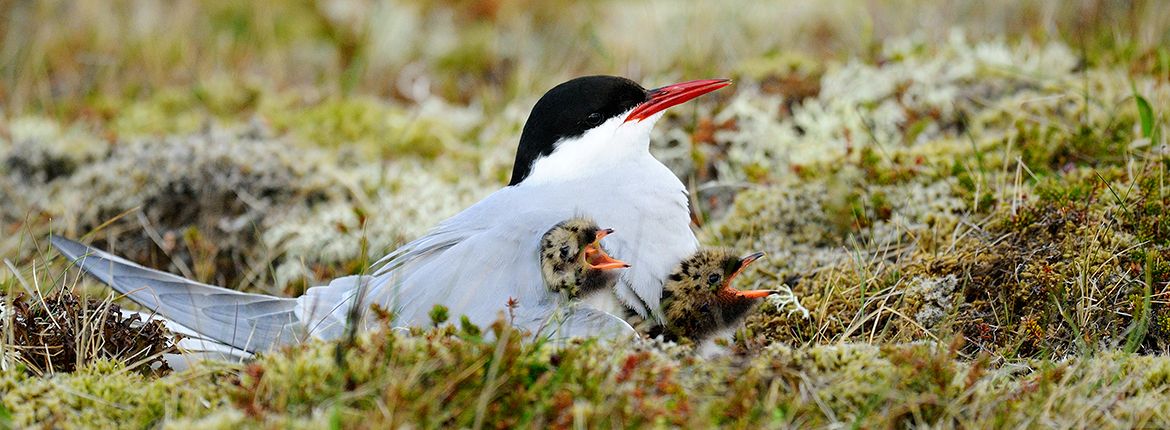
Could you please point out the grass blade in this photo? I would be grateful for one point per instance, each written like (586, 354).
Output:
(1140, 327)
(1146, 114)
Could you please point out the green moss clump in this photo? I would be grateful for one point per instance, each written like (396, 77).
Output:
(438, 378)
(365, 126)
(105, 394)
(167, 111)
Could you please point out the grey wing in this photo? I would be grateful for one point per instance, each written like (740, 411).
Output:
(476, 276)
(250, 322)
(450, 232)
(445, 235)
(580, 321)
(325, 310)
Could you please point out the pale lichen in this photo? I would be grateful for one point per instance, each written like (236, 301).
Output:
(934, 297)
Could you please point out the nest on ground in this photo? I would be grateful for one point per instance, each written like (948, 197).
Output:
(62, 332)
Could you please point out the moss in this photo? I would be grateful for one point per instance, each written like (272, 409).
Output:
(438, 315)
(367, 126)
(1018, 285)
(1022, 291)
(105, 394)
(226, 97)
(440, 377)
(634, 385)
(1050, 148)
(167, 111)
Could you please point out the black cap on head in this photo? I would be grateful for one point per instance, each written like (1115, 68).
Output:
(570, 109)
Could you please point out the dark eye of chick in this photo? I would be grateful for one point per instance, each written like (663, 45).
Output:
(714, 278)
(593, 119)
(565, 252)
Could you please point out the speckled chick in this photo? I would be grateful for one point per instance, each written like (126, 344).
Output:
(572, 260)
(698, 299)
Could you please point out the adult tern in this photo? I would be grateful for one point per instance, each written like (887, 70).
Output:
(584, 151)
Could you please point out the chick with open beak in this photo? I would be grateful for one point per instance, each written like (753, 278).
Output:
(698, 299)
(572, 260)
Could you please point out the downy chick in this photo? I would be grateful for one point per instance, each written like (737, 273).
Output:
(572, 261)
(698, 299)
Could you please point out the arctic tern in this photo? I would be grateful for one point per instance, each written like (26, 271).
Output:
(584, 150)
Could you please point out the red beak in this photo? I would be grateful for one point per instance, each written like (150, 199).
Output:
(671, 95)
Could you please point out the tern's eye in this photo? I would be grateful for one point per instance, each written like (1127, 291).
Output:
(714, 278)
(593, 119)
(565, 252)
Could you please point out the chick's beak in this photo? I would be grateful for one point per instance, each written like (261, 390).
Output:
(672, 95)
(597, 259)
(756, 294)
(750, 294)
(746, 260)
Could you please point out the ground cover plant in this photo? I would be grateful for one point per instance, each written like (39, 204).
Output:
(972, 195)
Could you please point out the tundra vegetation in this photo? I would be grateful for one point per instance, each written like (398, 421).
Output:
(973, 195)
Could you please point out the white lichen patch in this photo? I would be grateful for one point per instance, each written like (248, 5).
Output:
(916, 207)
(791, 224)
(921, 94)
(935, 297)
(787, 302)
(788, 223)
(35, 152)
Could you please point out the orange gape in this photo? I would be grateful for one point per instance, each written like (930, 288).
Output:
(596, 258)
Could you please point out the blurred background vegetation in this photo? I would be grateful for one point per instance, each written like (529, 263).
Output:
(85, 59)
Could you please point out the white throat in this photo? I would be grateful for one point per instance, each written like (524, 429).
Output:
(612, 142)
